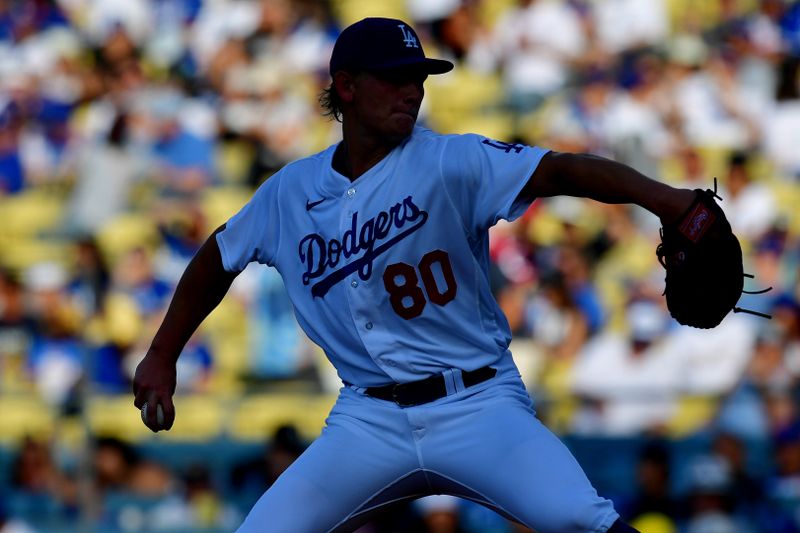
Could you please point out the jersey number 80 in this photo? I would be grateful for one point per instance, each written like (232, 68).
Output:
(402, 284)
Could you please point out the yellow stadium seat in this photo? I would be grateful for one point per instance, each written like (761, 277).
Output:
(349, 11)
(198, 418)
(116, 416)
(257, 417)
(692, 414)
(233, 161)
(24, 415)
(127, 232)
(221, 203)
(654, 523)
(31, 212)
(788, 195)
(18, 252)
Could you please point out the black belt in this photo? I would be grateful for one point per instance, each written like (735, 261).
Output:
(428, 389)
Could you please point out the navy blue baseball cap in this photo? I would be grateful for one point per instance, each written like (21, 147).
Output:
(375, 44)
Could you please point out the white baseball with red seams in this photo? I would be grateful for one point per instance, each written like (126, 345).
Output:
(159, 414)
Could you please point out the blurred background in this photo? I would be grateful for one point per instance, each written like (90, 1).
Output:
(130, 129)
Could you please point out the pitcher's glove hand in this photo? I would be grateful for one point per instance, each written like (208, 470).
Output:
(703, 260)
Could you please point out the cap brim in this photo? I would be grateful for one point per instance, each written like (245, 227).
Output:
(426, 65)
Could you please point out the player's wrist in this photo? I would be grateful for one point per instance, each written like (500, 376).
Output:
(162, 355)
(674, 204)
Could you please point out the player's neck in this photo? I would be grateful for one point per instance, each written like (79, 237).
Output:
(356, 154)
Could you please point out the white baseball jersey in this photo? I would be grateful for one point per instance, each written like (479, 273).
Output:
(389, 273)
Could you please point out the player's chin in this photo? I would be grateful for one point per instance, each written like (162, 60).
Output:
(401, 125)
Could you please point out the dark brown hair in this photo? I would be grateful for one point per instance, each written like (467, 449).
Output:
(330, 103)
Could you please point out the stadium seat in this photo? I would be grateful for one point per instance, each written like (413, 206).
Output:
(257, 417)
(24, 415)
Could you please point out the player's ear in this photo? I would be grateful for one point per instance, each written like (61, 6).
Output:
(344, 85)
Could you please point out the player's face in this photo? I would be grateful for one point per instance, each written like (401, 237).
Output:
(386, 104)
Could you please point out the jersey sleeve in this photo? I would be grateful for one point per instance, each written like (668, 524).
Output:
(484, 177)
(253, 233)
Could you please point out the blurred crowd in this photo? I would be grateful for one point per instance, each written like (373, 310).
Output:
(130, 129)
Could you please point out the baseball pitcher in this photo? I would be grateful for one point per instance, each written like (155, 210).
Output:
(382, 243)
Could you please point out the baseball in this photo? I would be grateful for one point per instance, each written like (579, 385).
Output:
(159, 414)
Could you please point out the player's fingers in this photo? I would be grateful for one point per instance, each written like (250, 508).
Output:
(139, 398)
(168, 413)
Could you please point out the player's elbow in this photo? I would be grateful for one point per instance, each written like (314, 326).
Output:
(565, 173)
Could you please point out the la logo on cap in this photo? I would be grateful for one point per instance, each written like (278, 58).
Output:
(408, 37)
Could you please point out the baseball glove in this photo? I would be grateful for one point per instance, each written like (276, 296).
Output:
(703, 260)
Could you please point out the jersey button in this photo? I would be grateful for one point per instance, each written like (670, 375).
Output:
(354, 284)
(368, 325)
(351, 192)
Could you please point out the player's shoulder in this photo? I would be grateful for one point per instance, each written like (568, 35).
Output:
(303, 166)
(426, 140)
(300, 170)
(426, 136)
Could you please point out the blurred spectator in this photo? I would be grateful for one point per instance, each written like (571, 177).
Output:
(19, 20)
(112, 463)
(454, 26)
(707, 98)
(194, 374)
(252, 478)
(33, 469)
(653, 493)
(782, 414)
(578, 119)
(105, 17)
(783, 491)
(746, 488)
(56, 356)
(766, 369)
(106, 171)
(555, 320)
(135, 276)
(709, 498)
(278, 348)
(691, 172)
(12, 173)
(152, 501)
(790, 28)
(17, 331)
(512, 272)
(622, 25)
(749, 205)
(713, 361)
(782, 122)
(574, 264)
(184, 162)
(637, 126)
(89, 278)
(439, 513)
(39, 489)
(207, 509)
(628, 383)
(182, 233)
(13, 525)
(535, 61)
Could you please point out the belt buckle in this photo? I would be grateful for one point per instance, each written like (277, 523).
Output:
(398, 401)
